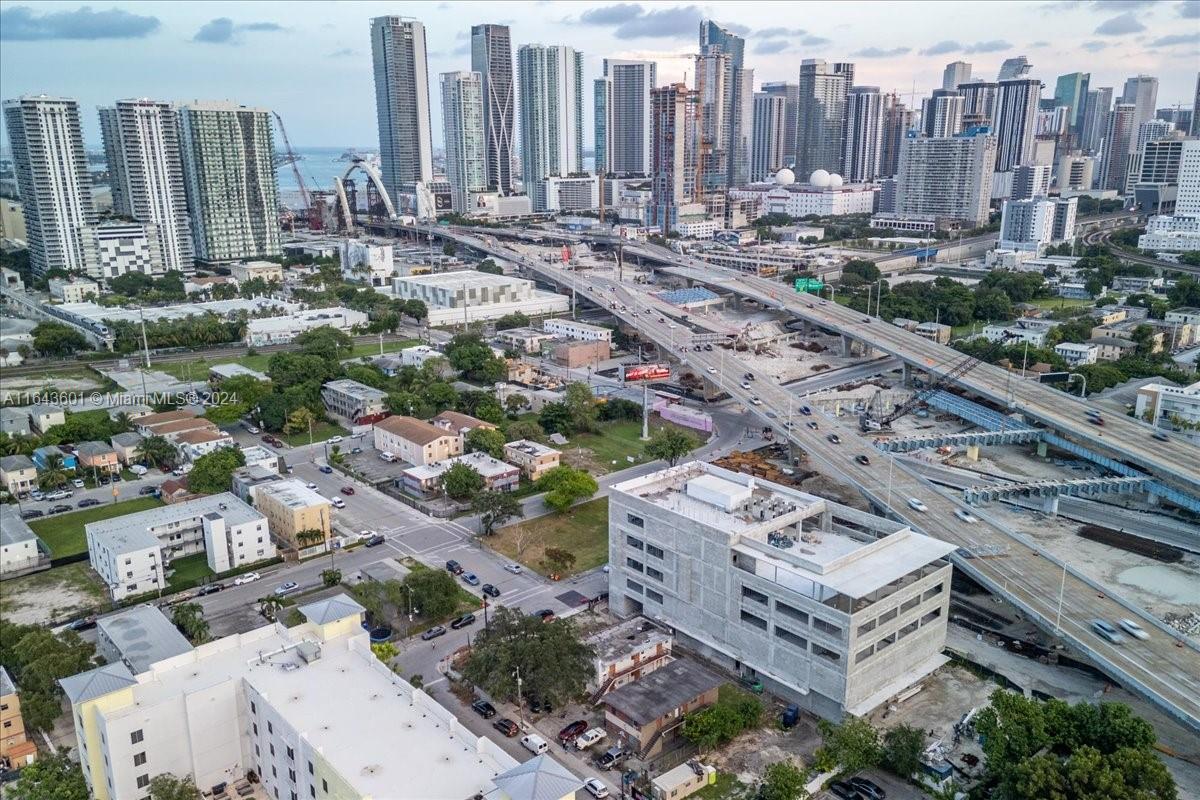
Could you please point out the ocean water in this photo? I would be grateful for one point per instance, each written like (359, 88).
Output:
(318, 167)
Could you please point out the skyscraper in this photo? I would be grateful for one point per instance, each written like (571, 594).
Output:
(52, 175)
(1195, 128)
(956, 72)
(947, 177)
(628, 138)
(1016, 117)
(1141, 92)
(1095, 118)
(897, 121)
(1117, 136)
(602, 125)
(145, 167)
(769, 127)
(864, 134)
(821, 117)
(739, 105)
(402, 103)
(673, 165)
(714, 94)
(229, 173)
(1071, 90)
(551, 114)
(491, 57)
(790, 92)
(1014, 68)
(979, 103)
(941, 114)
(1147, 133)
(467, 146)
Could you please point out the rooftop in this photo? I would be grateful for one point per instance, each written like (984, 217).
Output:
(94, 449)
(355, 389)
(126, 439)
(411, 429)
(13, 529)
(6, 683)
(15, 463)
(576, 324)
(202, 436)
(292, 493)
(142, 636)
(234, 370)
(531, 448)
(662, 691)
(163, 417)
(459, 422)
(222, 308)
(482, 463)
(456, 280)
(133, 531)
(626, 637)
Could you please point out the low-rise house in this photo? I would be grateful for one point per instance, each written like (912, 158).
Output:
(416, 441)
(16, 749)
(172, 430)
(933, 331)
(581, 331)
(133, 411)
(355, 402)
(388, 365)
(128, 446)
(648, 713)
(14, 421)
(176, 490)
(17, 474)
(292, 508)
(262, 331)
(21, 550)
(200, 442)
(1107, 315)
(73, 290)
(534, 458)
(1127, 329)
(256, 455)
(1014, 334)
(497, 475)
(1076, 354)
(460, 424)
(146, 425)
(1175, 335)
(1111, 348)
(524, 340)
(45, 416)
(627, 651)
(417, 355)
(98, 457)
(682, 781)
(1185, 315)
(47, 453)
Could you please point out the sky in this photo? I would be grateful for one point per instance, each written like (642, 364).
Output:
(311, 61)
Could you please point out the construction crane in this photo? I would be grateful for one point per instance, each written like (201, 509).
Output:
(292, 158)
(867, 422)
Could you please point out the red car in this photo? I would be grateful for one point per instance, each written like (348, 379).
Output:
(347, 490)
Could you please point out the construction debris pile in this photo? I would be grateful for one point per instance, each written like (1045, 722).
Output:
(1187, 624)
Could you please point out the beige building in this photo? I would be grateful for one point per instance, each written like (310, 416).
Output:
(17, 474)
(459, 423)
(291, 507)
(12, 220)
(416, 441)
(534, 458)
(16, 750)
(575, 353)
(1111, 348)
(245, 270)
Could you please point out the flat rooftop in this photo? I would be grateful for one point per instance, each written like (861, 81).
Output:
(662, 691)
(482, 463)
(132, 531)
(143, 636)
(292, 493)
(222, 308)
(455, 280)
(356, 389)
(626, 637)
(531, 448)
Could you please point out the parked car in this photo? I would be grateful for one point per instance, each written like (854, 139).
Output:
(325, 468)
(77, 483)
(334, 439)
(534, 743)
(844, 791)
(83, 623)
(1133, 629)
(148, 490)
(490, 591)
(433, 633)
(572, 730)
(347, 490)
(31, 514)
(507, 727)
(310, 485)
(209, 588)
(248, 577)
(377, 539)
(286, 588)
(611, 757)
(253, 431)
(88, 502)
(484, 709)
(590, 737)
(1162, 437)
(867, 788)
(463, 621)
(60, 509)
(37, 494)
(268, 438)
(337, 502)
(355, 451)
(453, 567)
(596, 788)
(515, 569)
(812, 425)
(546, 614)
(470, 579)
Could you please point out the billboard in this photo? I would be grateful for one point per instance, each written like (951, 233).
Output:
(808, 285)
(645, 372)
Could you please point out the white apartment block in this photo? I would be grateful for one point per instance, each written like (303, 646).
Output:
(1029, 181)
(550, 109)
(352, 400)
(367, 262)
(1176, 404)
(577, 330)
(466, 142)
(259, 703)
(1026, 224)
(1014, 334)
(418, 354)
(1179, 233)
(73, 290)
(131, 553)
(118, 248)
(1077, 354)
(835, 609)
(802, 199)
(468, 295)
(568, 193)
(949, 178)
(275, 330)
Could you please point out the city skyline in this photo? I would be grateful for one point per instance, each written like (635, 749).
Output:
(211, 45)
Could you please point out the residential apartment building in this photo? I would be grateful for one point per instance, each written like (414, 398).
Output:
(956, 72)
(267, 709)
(73, 290)
(465, 136)
(460, 424)
(16, 749)
(1118, 138)
(864, 134)
(242, 271)
(576, 354)
(737, 103)
(45, 416)
(1178, 405)
(767, 153)
(402, 106)
(648, 714)
(17, 474)
(623, 129)
(497, 475)
(949, 178)
(942, 113)
(232, 188)
(626, 652)
(533, 458)
(790, 92)
(290, 507)
(355, 402)
(674, 160)
(1077, 354)
(491, 57)
(416, 441)
(20, 548)
(1075, 173)
(571, 193)
(582, 331)
(781, 584)
(139, 637)
(1015, 121)
(821, 115)
(1112, 348)
(550, 104)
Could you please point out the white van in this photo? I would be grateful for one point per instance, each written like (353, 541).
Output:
(389, 457)
(534, 743)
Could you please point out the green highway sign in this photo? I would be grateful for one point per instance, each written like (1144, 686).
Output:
(809, 285)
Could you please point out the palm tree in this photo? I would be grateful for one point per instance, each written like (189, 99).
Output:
(54, 475)
(122, 423)
(157, 452)
(270, 606)
(309, 536)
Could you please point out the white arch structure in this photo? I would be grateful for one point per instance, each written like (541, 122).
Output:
(373, 175)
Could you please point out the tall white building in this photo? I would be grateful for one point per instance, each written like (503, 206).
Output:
(714, 94)
(790, 92)
(1030, 180)
(1141, 92)
(864, 134)
(52, 175)
(956, 72)
(1095, 119)
(1016, 118)
(821, 116)
(550, 78)
(769, 127)
(145, 168)
(232, 188)
(949, 178)
(1180, 232)
(942, 114)
(491, 57)
(466, 142)
(627, 119)
(402, 103)
(1026, 224)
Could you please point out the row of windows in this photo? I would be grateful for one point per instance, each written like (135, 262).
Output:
(894, 612)
(892, 638)
(650, 549)
(792, 612)
(790, 637)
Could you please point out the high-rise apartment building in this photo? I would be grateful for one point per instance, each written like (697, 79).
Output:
(1117, 136)
(821, 118)
(229, 173)
(1095, 119)
(145, 168)
(550, 108)
(1075, 172)
(1161, 158)
(602, 125)
(627, 118)
(491, 57)
(738, 104)
(1071, 90)
(1194, 129)
(956, 72)
(979, 103)
(714, 94)
(673, 166)
(864, 134)
(948, 177)
(790, 92)
(1141, 92)
(897, 122)
(52, 174)
(769, 127)
(402, 104)
(1030, 180)
(1015, 122)
(467, 147)
(1149, 131)
(941, 114)
(1026, 224)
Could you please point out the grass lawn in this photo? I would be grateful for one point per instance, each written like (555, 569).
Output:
(189, 570)
(583, 531)
(320, 432)
(616, 443)
(1061, 302)
(727, 787)
(63, 533)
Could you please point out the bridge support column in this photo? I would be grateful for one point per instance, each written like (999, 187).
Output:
(1050, 505)
(847, 346)
(826, 521)
(1152, 499)
(973, 452)
(1041, 449)
(905, 374)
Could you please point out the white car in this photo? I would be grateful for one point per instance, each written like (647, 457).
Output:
(77, 483)
(589, 737)
(596, 788)
(138, 469)
(1133, 629)
(712, 370)
(253, 430)
(515, 569)
(311, 485)
(965, 516)
(249, 577)
(745, 385)
(917, 505)
(755, 401)
(337, 502)
(335, 439)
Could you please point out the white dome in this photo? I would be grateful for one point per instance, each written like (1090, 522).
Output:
(835, 180)
(819, 178)
(785, 177)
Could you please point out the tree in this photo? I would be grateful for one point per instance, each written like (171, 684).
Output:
(517, 319)
(212, 473)
(565, 485)
(51, 777)
(557, 561)
(270, 606)
(331, 577)
(992, 304)
(433, 591)
(329, 343)
(416, 309)
(37, 659)
(863, 269)
(515, 403)
(409, 404)
(494, 509)
(902, 747)
(54, 474)
(853, 745)
(384, 651)
(670, 444)
(461, 481)
(485, 440)
(131, 284)
(525, 429)
(618, 408)
(783, 780)
(734, 712)
(167, 787)
(299, 420)
(189, 618)
(1143, 337)
(552, 660)
(556, 418)
(292, 369)
(468, 354)
(57, 339)
(581, 405)
(449, 248)
(490, 267)
(439, 395)
(309, 536)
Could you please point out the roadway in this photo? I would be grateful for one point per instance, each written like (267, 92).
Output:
(1161, 668)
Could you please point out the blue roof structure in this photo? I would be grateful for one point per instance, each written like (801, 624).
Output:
(687, 297)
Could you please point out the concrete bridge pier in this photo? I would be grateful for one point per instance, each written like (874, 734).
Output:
(826, 521)
(905, 374)
(1050, 505)
(847, 346)
(1042, 449)
(973, 452)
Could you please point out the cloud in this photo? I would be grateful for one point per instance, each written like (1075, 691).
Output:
(461, 50)
(1176, 38)
(736, 27)
(1094, 46)
(618, 14)
(1064, 5)
(943, 47)
(1122, 5)
(1120, 25)
(345, 52)
(813, 41)
(875, 52)
(951, 46)
(222, 30)
(766, 47)
(19, 23)
(1189, 9)
(1039, 44)
(993, 46)
(631, 21)
(768, 33)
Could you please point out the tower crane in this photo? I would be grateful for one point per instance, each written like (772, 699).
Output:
(292, 159)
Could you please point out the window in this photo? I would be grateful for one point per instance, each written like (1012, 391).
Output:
(136, 737)
(274, 773)
(909, 604)
(791, 638)
(292, 775)
(253, 708)
(826, 627)
(654, 551)
(291, 753)
(312, 790)
(756, 621)
(324, 785)
(888, 616)
(651, 572)
(139, 759)
(789, 611)
(931, 616)
(906, 630)
(257, 751)
(931, 593)
(633, 564)
(867, 627)
(254, 725)
(633, 542)
(143, 781)
(864, 654)
(634, 586)
(754, 594)
(310, 768)
(655, 596)
(270, 727)
(635, 521)
(828, 655)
